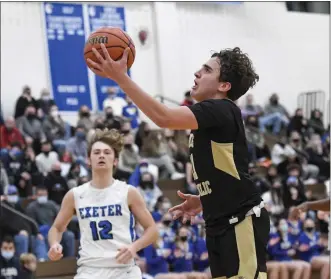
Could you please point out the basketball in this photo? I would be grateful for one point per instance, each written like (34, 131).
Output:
(116, 41)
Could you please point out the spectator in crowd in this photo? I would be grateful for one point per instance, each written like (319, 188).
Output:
(275, 115)
(44, 211)
(28, 263)
(131, 112)
(4, 182)
(316, 125)
(156, 256)
(201, 262)
(56, 129)
(128, 159)
(149, 190)
(114, 101)
(142, 133)
(84, 118)
(24, 101)
(56, 185)
(126, 128)
(318, 156)
(309, 247)
(9, 134)
(45, 103)
(274, 199)
(77, 146)
(260, 182)
(298, 124)
(161, 207)
(99, 123)
(284, 251)
(46, 158)
(112, 121)
(294, 192)
(9, 263)
(155, 152)
(167, 228)
(191, 187)
(188, 100)
(73, 175)
(250, 109)
(31, 127)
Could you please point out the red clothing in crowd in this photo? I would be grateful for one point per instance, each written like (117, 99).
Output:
(8, 137)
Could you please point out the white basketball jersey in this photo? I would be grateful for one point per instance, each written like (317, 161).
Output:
(106, 223)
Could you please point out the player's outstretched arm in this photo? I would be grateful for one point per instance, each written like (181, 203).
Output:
(138, 208)
(60, 225)
(323, 205)
(180, 118)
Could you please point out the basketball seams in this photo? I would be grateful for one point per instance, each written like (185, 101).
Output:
(130, 43)
(101, 48)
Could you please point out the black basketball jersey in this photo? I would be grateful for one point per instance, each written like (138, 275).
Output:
(219, 158)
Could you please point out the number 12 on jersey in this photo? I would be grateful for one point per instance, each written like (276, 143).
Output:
(102, 230)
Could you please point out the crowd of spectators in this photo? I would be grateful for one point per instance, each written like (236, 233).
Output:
(43, 157)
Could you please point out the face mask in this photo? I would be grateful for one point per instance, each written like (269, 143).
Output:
(54, 113)
(284, 228)
(57, 172)
(45, 98)
(183, 238)
(7, 254)
(9, 129)
(46, 152)
(42, 199)
(147, 184)
(30, 115)
(126, 132)
(274, 101)
(12, 199)
(309, 229)
(127, 146)
(143, 169)
(109, 115)
(166, 223)
(80, 135)
(100, 126)
(85, 114)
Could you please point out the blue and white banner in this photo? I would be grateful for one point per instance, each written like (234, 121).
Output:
(65, 32)
(105, 16)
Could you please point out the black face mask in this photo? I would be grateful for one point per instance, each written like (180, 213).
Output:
(100, 126)
(85, 114)
(127, 146)
(109, 115)
(183, 238)
(274, 101)
(46, 152)
(146, 184)
(30, 116)
(9, 129)
(57, 172)
(166, 223)
(309, 229)
(126, 132)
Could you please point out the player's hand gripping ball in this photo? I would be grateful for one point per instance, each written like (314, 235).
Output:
(115, 40)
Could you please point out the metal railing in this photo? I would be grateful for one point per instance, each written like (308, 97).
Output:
(309, 101)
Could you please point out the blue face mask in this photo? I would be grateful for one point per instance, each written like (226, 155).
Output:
(80, 135)
(7, 254)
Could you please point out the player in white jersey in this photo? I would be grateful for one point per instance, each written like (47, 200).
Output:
(105, 208)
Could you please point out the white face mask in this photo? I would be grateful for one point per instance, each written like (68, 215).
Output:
(7, 254)
(54, 113)
(12, 199)
(42, 199)
(143, 169)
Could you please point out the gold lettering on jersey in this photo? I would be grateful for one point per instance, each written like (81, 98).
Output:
(191, 141)
(194, 173)
(203, 188)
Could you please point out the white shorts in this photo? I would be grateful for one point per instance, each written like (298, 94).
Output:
(132, 272)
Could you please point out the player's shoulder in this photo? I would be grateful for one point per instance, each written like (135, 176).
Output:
(79, 190)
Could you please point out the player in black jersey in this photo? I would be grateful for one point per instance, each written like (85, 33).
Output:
(237, 225)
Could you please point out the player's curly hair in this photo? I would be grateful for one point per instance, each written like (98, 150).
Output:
(112, 137)
(237, 69)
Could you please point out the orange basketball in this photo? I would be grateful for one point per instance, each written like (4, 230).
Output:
(116, 41)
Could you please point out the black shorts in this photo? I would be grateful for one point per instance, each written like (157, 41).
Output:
(240, 252)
